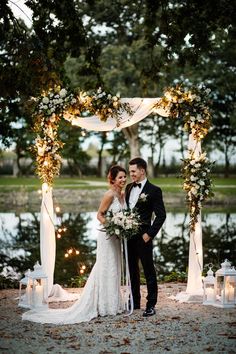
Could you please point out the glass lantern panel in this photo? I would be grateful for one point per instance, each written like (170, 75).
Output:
(219, 285)
(230, 289)
(209, 292)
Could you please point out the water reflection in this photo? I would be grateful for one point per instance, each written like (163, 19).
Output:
(19, 242)
(20, 245)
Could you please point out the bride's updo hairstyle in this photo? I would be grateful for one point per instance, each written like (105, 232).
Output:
(113, 172)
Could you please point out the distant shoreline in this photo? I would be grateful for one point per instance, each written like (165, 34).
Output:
(89, 199)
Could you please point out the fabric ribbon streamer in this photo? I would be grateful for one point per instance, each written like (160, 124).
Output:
(126, 283)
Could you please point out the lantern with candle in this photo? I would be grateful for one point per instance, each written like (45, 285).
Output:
(39, 282)
(209, 288)
(25, 291)
(225, 286)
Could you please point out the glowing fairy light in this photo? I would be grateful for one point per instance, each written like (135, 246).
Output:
(57, 209)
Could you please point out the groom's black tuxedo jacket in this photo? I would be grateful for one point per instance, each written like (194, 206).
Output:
(146, 208)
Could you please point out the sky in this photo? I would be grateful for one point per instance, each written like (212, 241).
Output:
(20, 10)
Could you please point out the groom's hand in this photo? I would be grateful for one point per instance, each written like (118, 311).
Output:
(146, 237)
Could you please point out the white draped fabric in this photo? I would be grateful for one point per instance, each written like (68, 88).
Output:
(194, 285)
(47, 235)
(195, 260)
(141, 108)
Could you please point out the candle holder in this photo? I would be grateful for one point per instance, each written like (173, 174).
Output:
(25, 291)
(209, 288)
(225, 286)
(39, 281)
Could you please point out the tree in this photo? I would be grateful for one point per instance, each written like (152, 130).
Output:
(77, 158)
(120, 149)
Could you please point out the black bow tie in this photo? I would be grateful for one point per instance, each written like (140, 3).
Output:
(137, 184)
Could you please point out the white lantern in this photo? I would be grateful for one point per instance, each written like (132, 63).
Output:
(225, 286)
(25, 291)
(39, 281)
(209, 288)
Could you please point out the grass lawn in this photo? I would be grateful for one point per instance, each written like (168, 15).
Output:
(168, 184)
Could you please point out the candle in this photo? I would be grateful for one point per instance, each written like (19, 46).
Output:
(210, 293)
(38, 295)
(229, 293)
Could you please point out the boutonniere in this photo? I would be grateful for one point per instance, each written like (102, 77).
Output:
(143, 197)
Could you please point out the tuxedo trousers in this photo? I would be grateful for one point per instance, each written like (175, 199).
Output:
(138, 249)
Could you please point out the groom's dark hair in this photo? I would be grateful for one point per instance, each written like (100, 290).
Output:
(141, 163)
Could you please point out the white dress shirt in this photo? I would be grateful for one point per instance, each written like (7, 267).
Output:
(135, 193)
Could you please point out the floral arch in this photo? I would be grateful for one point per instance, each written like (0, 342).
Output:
(101, 111)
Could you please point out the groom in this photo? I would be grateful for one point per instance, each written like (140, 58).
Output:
(146, 198)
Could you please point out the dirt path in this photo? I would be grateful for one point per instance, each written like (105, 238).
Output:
(176, 328)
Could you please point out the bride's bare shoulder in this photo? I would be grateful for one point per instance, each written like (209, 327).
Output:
(109, 194)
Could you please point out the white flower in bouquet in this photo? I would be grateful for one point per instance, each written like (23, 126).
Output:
(123, 224)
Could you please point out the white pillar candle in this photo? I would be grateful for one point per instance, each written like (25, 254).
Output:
(38, 295)
(229, 293)
(210, 293)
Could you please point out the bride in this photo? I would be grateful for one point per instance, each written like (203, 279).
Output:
(101, 295)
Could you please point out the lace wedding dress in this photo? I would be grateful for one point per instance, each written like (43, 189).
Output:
(101, 295)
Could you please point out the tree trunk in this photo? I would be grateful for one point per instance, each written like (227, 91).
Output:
(227, 163)
(131, 133)
(100, 151)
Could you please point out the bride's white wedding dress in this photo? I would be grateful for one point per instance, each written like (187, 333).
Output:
(101, 295)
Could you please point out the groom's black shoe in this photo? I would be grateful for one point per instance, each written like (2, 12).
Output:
(150, 311)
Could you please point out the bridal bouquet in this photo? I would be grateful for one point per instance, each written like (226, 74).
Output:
(123, 224)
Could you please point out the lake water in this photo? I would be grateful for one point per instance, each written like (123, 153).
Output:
(19, 241)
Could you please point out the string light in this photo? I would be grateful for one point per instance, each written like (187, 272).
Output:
(71, 252)
(57, 209)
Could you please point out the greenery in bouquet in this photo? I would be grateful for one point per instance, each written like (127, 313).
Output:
(123, 224)
(197, 183)
(191, 106)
